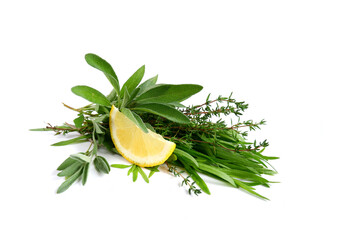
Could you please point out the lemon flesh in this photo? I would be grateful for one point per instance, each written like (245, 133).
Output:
(143, 149)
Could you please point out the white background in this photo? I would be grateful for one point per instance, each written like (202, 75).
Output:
(295, 62)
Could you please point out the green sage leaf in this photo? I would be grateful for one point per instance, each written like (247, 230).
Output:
(85, 173)
(135, 118)
(133, 81)
(101, 165)
(164, 111)
(100, 64)
(68, 182)
(167, 93)
(91, 95)
(148, 84)
(70, 170)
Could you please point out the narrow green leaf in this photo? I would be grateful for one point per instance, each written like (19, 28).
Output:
(133, 81)
(85, 173)
(153, 170)
(69, 161)
(167, 93)
(217, 172)
(65, 185)
(133, 166)
(81, 157)
(142, 173)
(249, 189)
(147, 85)
(97, 128)
(91, 95)
(70, 170)
(187, 158)
(135, 118)
(164, 111)
(80, 139)
(120, 165)
(198, 180)
(126, 98)
(100, 64)
(135, 173)
(40, 129)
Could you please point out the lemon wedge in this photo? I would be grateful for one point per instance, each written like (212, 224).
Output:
(143, 149)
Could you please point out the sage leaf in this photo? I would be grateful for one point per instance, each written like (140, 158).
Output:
(148, 84)
(68, 182)
(135, 118)
(164, 111)
(133, 81)
(69, 161)
(102, 65)
(167, 93)
(91, 95)
(101, 165)
(81, 157)
(85, 173)
(80, 139)
(70, 170)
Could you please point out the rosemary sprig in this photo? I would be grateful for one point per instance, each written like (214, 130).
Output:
(205, 143)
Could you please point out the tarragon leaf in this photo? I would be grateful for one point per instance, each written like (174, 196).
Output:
(80, 139)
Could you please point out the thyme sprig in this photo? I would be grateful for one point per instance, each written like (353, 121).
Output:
(206, 143)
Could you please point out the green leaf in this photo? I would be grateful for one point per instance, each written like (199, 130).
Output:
(217, 172)
(40, 129)
(198, 180)
(81, 157)
(79, 121)
(69, 161)
(146, 179)
(126, 98)
(80, 139)
(65, 185)
(100, 64)
(70, 170)
(249, 189)
(91, 95)
(133, 166)
(135, 118)
(164, 111)
(120, 165)
(167, 93)
(185, 157)
(85, 173)
(148, 84)
(153, 170)
(133, 81)
(101, 165)
(135, 173)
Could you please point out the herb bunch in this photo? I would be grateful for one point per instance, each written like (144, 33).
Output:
(205, 143)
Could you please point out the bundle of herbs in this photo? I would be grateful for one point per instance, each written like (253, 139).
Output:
(205, 144)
